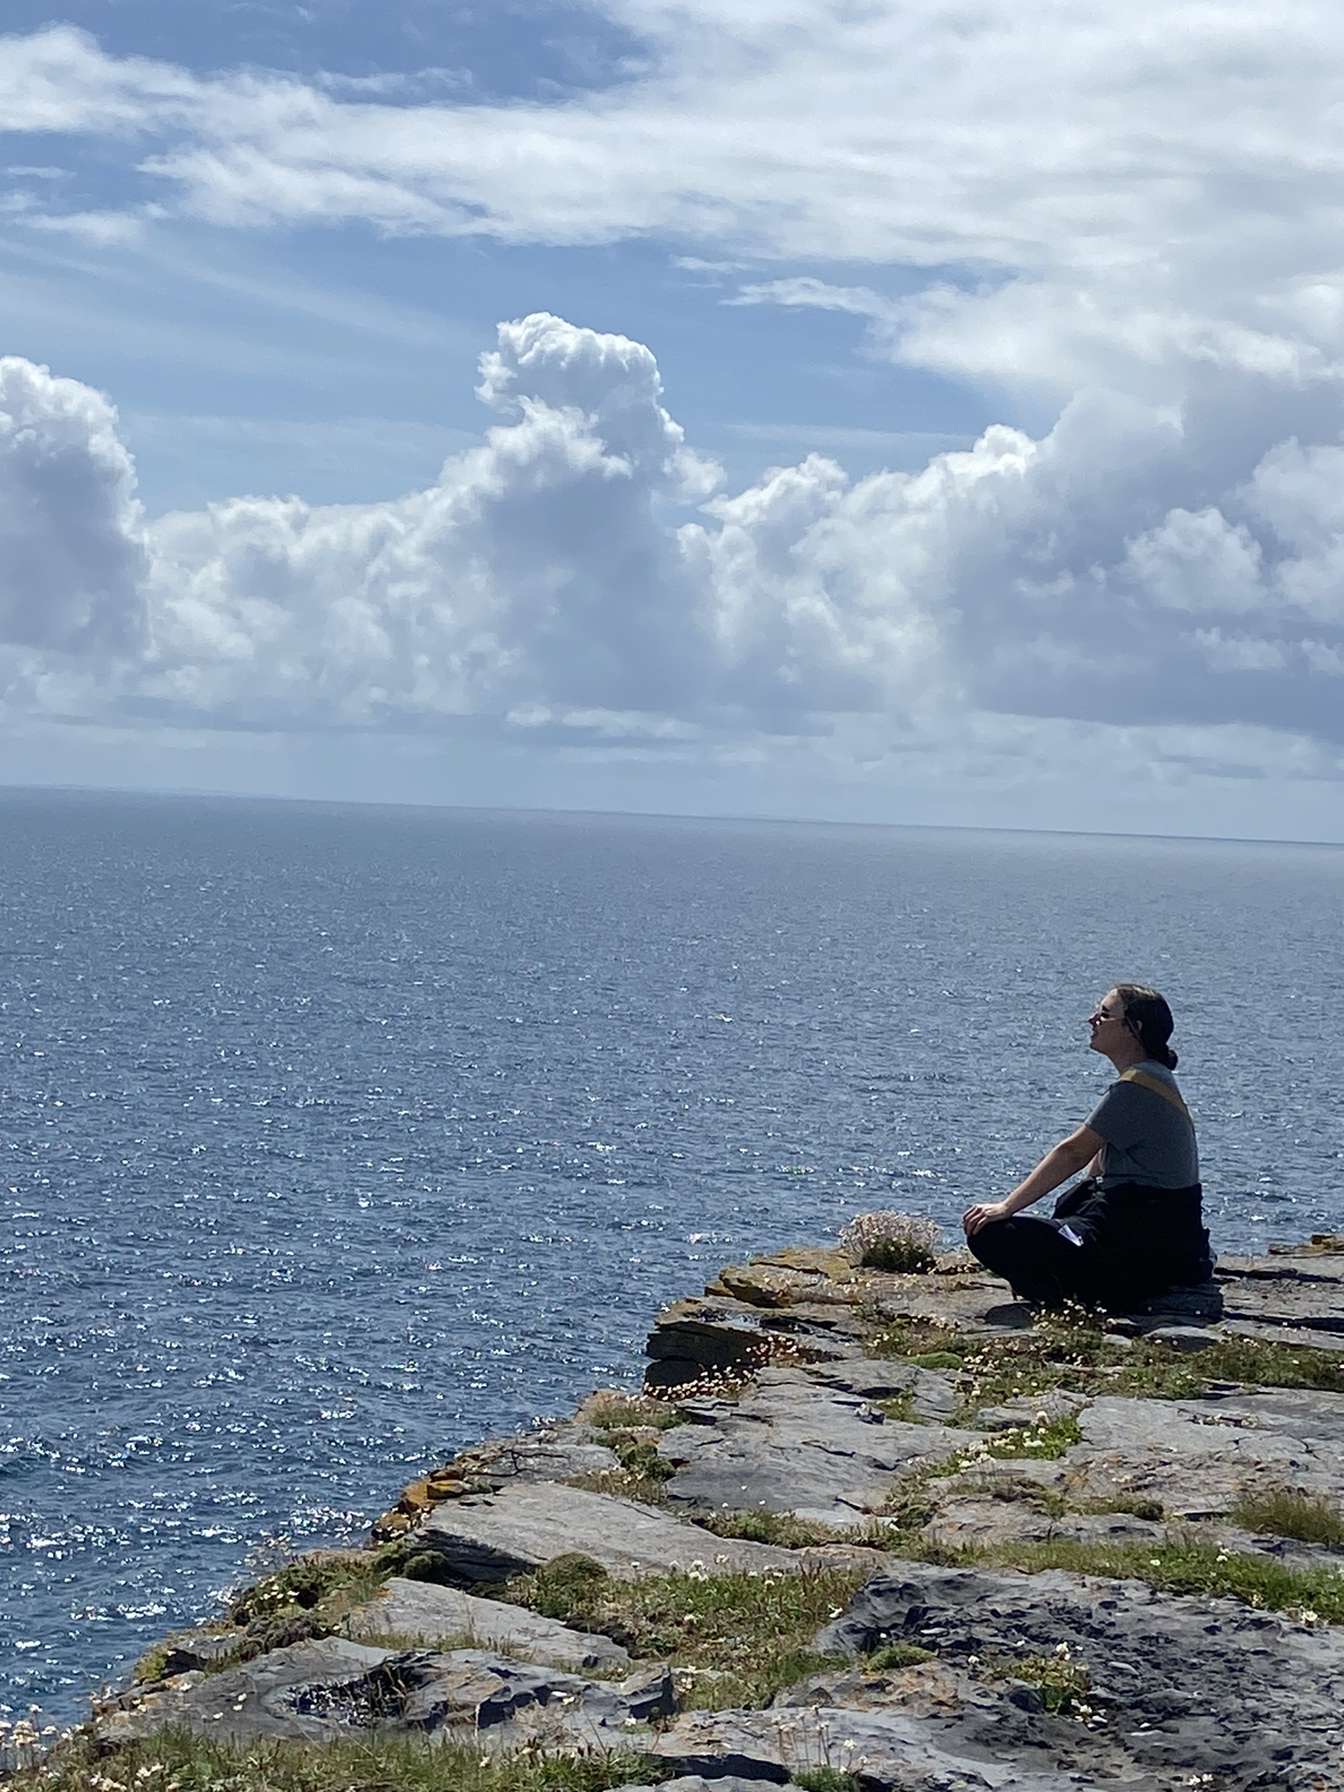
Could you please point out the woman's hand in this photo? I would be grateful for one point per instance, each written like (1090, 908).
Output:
(984, 1214)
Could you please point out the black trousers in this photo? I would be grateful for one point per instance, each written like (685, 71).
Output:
(1031, 1252)
(1137, 1242)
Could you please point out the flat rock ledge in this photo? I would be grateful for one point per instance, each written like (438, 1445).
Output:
(952, 1667)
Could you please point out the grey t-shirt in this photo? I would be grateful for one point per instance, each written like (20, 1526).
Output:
(1148, 1139)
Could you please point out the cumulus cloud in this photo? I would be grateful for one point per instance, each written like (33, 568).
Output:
(536, 570)
(72, 556)
(582, 574)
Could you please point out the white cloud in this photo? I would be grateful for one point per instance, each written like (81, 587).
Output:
(1142, 197)
(804, 292)
(1197, 560)
(72, 560)
(915, 133)
(1321, 657)
(537, 571)
(1239, 653)
(103, 229)
(59, 80)
(579, 576)
(1127, 214)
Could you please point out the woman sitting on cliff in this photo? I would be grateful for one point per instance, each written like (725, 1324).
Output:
(1134, 1228)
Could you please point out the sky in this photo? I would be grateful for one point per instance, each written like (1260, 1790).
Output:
(923, 412)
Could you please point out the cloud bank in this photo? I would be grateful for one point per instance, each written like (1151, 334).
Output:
(583, 570)
(1123, 218)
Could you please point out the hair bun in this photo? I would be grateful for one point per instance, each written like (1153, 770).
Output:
(1149, 1017)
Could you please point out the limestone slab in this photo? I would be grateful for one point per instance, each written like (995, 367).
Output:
(334, 1690)
(931, 1394)
(887, 1751)
(696, 1782)
(790, 1445)
(1179, 1683)
(431, 1614)
(552, 1453)
(1198, 1456)
(488, 1538)
(984, 1523)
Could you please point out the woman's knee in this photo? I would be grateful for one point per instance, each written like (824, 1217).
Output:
(994, 1244)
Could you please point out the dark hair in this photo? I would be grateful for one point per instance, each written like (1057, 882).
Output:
(1148, 1016)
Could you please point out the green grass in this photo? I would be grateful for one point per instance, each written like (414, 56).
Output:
(639, 1456)
(153, 1664)
(909, 1339)
(900, 1407)
(824, 1779)
(611, 1410)
(736, 1639)
(1068, 1350)
(642, 1473)
(311, 1596)
(889, 1656)
(756, 1525)
(910, 1506)
(175, 1762)
(623, 1484)
(1284, 1512)
(1063, 1683)
(1256, 1361)
(310, 1584)
(1043, 1442)
(1181, 1564)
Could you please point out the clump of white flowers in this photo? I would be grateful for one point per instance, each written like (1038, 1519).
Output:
(892, 1241)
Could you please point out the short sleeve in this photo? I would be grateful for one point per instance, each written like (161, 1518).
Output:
(1119, 1116)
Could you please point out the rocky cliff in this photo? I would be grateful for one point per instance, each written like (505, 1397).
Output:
(860, 1531)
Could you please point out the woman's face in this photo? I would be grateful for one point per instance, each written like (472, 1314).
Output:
(1107, 1022)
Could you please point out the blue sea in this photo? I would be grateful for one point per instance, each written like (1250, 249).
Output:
(335, 1138)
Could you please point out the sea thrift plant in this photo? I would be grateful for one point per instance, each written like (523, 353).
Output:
(892, 1241)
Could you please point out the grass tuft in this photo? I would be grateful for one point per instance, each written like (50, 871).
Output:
(900, 1407)
(642, 1474)
(888, 1656)
(609, 1409)
(909, 1339)
(1286, 1512)
(779, 1528)
(899, 1243)
(1062, 1682)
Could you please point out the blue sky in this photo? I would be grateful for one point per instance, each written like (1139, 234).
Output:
(886, 413)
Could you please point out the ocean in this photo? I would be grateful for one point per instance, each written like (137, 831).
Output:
(335, 1138)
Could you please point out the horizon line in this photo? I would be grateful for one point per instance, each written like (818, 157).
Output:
(187, 792)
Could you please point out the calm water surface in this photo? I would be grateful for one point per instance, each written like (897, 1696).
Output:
(336, 1138)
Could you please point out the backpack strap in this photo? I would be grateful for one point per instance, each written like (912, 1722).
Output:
(1157, 1086)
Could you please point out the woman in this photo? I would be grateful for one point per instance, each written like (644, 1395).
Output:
(1135, 1227)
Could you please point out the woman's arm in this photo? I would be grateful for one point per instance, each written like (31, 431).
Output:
(1067, 1158)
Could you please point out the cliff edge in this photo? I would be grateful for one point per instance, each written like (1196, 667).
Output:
(859, 1531)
